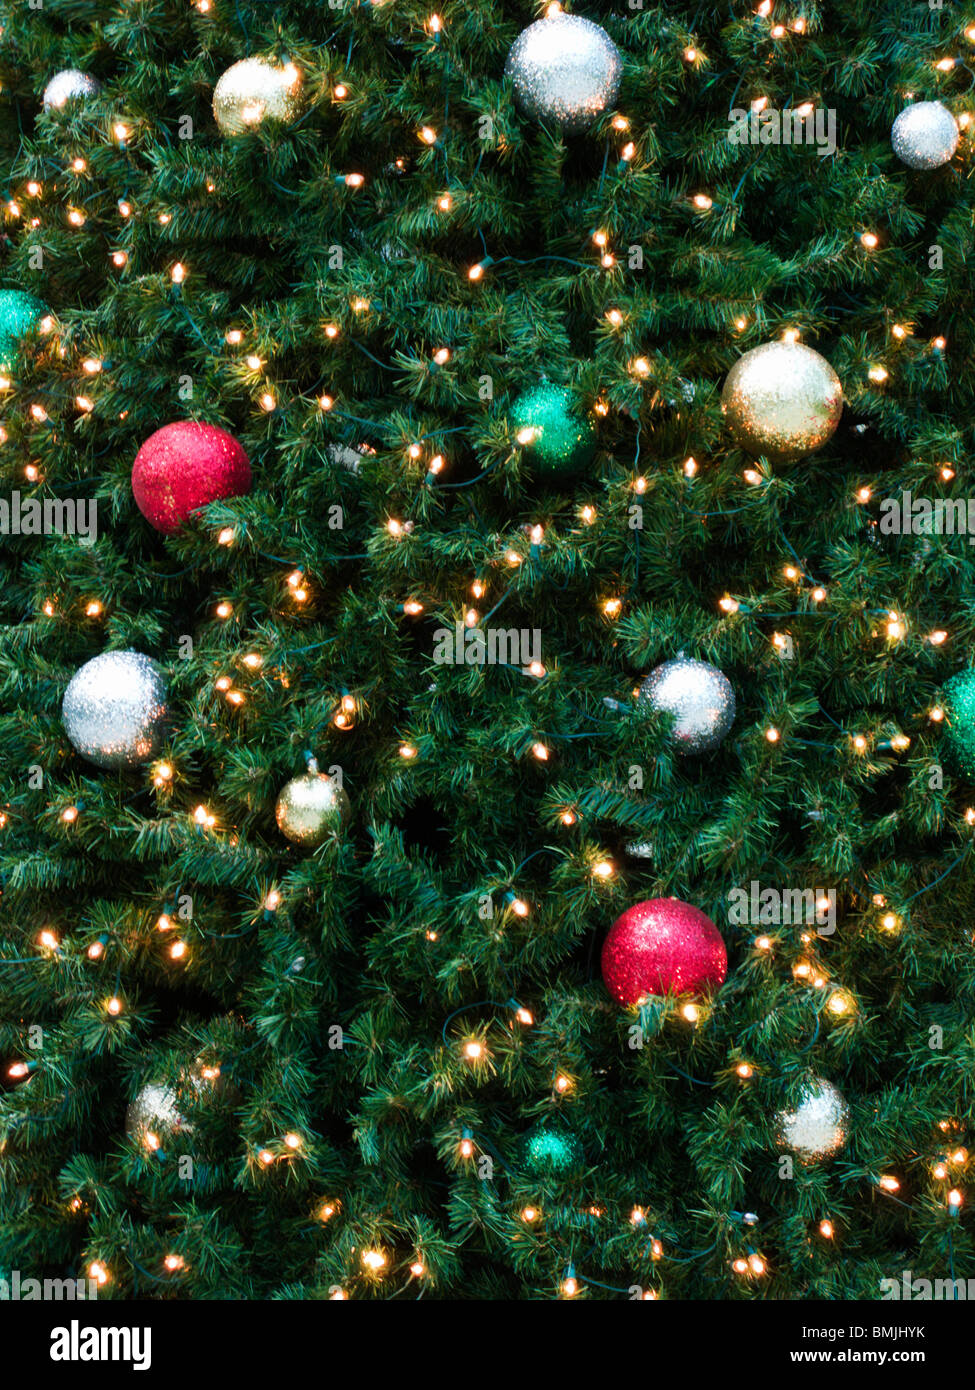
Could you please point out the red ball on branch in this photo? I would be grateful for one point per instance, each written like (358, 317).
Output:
(184, 466)
(662, 946)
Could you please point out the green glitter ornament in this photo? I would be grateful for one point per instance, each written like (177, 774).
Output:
(20, 313)
(554, 437)
(958, 741)
(549, 1152)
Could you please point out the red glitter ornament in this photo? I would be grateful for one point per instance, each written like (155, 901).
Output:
(662, 946)
(184, 466)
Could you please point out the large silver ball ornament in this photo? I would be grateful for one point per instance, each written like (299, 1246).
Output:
(67, 86)
(819, 1125)
(924, 135)
(564, 69)
(115, 711)
(700, 698)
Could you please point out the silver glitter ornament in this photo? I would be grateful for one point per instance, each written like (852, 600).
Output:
(255, 90)
(564, 69)
(114, 709)
(924, 135)
(819, 1126)
(154, 1115)
(639, 849)
(698, 695)
(67, 86)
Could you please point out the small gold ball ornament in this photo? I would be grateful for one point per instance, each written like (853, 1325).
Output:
(782, 400)
(255, 90)
(312, 807)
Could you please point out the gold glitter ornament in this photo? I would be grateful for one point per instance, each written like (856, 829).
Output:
(782, 400)
(254, 90)
(312, 807)
(818, 1127)
(564, 69)
(925, 135)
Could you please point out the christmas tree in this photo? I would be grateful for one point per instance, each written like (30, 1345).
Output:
(488, 726)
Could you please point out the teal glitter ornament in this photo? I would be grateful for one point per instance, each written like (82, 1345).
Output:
(554, 437)
(20, 314)
(958, 741)
(549, 1152)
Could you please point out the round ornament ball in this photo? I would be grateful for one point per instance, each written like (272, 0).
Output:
(819, 1125)
(551, 1152)
(782, 400)
(255, 90)
(638, 849)
(958, 739)
(699, 696)
(564, 69)
(312, 807)
(115, 709)
(20, 315)
(183, 467)
(554, 437)
(662, 946)
(69, 86)
(925, 135)
(154, 1115)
